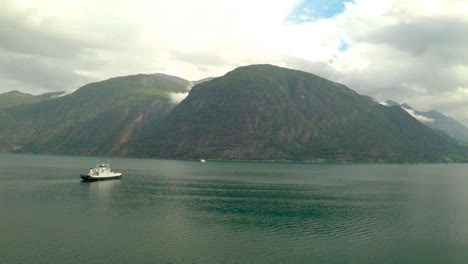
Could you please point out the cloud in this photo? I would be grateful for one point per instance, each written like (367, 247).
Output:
(411, 51)
(424, 35)
(406, 50)
(176, 98)
(421, 118)
(111, 38)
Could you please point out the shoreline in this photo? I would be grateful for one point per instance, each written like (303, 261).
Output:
(318, 161)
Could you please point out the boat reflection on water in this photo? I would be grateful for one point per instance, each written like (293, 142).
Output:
(102, 190)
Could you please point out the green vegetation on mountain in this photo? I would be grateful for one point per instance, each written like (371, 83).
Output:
(14, 98)
(438, 121)
(264, 112)
(258, 112)
(95, 120)
(447, 124)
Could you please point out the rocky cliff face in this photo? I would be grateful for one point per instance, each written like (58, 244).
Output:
(266, 112)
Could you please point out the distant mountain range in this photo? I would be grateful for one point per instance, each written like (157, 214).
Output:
(14, 98)
(436, 121)
(257, 112)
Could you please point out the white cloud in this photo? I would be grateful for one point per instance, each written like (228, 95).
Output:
(410, 51)
(421, 118)
(407, 50)
(176, 98)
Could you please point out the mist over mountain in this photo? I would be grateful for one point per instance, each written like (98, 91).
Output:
(257, 112)
(437, 120)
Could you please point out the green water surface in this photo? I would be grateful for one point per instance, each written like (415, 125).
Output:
(165, 211)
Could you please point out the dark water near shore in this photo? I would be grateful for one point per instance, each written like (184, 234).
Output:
(231, 212)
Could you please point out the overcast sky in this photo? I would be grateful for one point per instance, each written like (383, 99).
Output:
(413, 51)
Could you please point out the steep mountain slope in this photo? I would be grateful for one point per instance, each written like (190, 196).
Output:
(266, 112)
(447, 124)
(95, 120)
(438, 121)
(14, 98)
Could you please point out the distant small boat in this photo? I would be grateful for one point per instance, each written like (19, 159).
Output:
(101, 172)
(202, 160)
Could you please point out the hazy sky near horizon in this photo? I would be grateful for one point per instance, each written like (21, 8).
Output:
(411, 51)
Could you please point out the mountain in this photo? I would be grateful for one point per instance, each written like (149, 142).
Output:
(438, 121)
(264, 112)
(94, 120)
(257, 112)
(14, 98)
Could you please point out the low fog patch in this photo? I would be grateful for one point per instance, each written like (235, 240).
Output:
(176, 98)
(420, 118)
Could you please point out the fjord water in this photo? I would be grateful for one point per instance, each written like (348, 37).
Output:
(165, 211)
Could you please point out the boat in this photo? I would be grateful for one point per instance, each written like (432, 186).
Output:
(101, 172)
(202, 160)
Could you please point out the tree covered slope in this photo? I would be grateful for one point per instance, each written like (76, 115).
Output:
(95, 120)
(264, 112)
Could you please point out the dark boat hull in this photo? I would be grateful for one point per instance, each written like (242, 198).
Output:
(91, 178)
